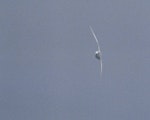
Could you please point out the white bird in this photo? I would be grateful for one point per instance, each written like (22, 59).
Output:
(98, 53)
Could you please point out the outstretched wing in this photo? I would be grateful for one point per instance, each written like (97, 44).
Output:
(95, 39)
(100, 54)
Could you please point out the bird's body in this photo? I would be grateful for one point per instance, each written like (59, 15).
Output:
(98, 53)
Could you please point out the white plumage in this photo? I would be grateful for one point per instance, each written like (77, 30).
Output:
(98, 53)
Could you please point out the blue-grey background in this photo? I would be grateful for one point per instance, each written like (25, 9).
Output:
(47, 66)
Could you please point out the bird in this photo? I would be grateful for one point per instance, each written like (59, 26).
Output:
(98, 53)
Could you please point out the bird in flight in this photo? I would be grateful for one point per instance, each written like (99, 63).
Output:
(98, 53)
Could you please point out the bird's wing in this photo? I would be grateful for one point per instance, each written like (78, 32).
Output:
(101, 65)
(95, 39)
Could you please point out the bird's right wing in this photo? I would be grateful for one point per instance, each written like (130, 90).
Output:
(95, 39)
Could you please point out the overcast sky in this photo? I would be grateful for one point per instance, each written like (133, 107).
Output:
(47, 66)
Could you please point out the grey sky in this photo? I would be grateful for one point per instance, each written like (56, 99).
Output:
(47, 65)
